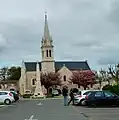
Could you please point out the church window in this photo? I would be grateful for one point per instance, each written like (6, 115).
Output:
(91, 85)
(64, 77)
(33, 81)
(50, 53)
(47, 53)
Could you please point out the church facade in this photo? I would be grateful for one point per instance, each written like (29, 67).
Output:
(48, 64)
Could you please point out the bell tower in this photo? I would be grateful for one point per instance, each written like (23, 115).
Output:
(47, 63)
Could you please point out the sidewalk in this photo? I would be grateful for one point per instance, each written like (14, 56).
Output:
(21, 98)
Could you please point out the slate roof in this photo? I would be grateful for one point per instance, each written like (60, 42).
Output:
(31, 66)
(71, 65)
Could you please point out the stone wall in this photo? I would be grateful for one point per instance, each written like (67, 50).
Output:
(64, 71)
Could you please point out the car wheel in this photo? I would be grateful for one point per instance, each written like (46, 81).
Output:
(83, 102)
(7, 102)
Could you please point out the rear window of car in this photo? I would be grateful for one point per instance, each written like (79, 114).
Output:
(3, 93)
(86, 93)
(90, 93)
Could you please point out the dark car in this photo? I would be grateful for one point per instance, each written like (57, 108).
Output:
(102, 98)
(15, 95)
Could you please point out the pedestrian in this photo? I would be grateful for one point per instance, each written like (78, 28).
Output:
(71, 97)
(65, 94)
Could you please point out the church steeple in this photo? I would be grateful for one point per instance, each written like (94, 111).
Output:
(47, 49)
(46, 29)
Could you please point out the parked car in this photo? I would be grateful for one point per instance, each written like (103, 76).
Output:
(27, 94)
(55, 93)
(15, 95)
(79, 98)
(6, 97)
(102, 98)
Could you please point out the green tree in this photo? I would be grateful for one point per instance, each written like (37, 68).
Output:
(4, 73)
(14, 73)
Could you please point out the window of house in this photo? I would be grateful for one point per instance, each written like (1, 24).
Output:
(47, 53)
(64, 77)
(33, 82)
(50, 53)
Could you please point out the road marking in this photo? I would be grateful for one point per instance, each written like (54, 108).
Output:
(31, 118)
(39, 104)
(83, 114)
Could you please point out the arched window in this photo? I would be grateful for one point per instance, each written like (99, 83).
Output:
(50, 53)
(47, 53)
(33, 81)
(64, 77)
(91, 85)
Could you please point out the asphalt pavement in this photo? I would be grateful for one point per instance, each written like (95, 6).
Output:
(99, 113)
(39, 110)
(54, 110)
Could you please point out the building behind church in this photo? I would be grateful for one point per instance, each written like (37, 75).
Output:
(48, 64)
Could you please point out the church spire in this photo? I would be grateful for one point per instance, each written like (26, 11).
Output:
(46, 29)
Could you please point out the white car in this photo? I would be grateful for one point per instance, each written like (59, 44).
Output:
(79, 99)
(6, 97)
(55, 92)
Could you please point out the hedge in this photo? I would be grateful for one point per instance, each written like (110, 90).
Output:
(27, 95)
(114, 88)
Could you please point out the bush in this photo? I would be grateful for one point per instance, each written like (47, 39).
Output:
(107, 87)
(114, 88)
(27, 95)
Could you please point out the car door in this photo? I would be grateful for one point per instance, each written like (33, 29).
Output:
(100, 98)
(2, 96)
(111, 99)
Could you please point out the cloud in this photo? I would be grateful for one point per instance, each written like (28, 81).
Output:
(81, 30)
(3, 43)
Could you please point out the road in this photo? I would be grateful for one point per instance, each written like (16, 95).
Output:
(99, 113)
(39, 110)
(54, 110)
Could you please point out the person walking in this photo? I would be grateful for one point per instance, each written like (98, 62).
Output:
(65, 94)
(71, 97)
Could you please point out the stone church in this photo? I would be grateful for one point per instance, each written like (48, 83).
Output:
(48, 64)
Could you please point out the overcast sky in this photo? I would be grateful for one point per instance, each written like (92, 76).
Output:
(81, 30)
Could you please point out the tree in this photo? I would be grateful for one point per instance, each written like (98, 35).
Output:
(50, 79)
(103, 76)
(83, 78)
(4, 73)
(14, 73)
(114, 72)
